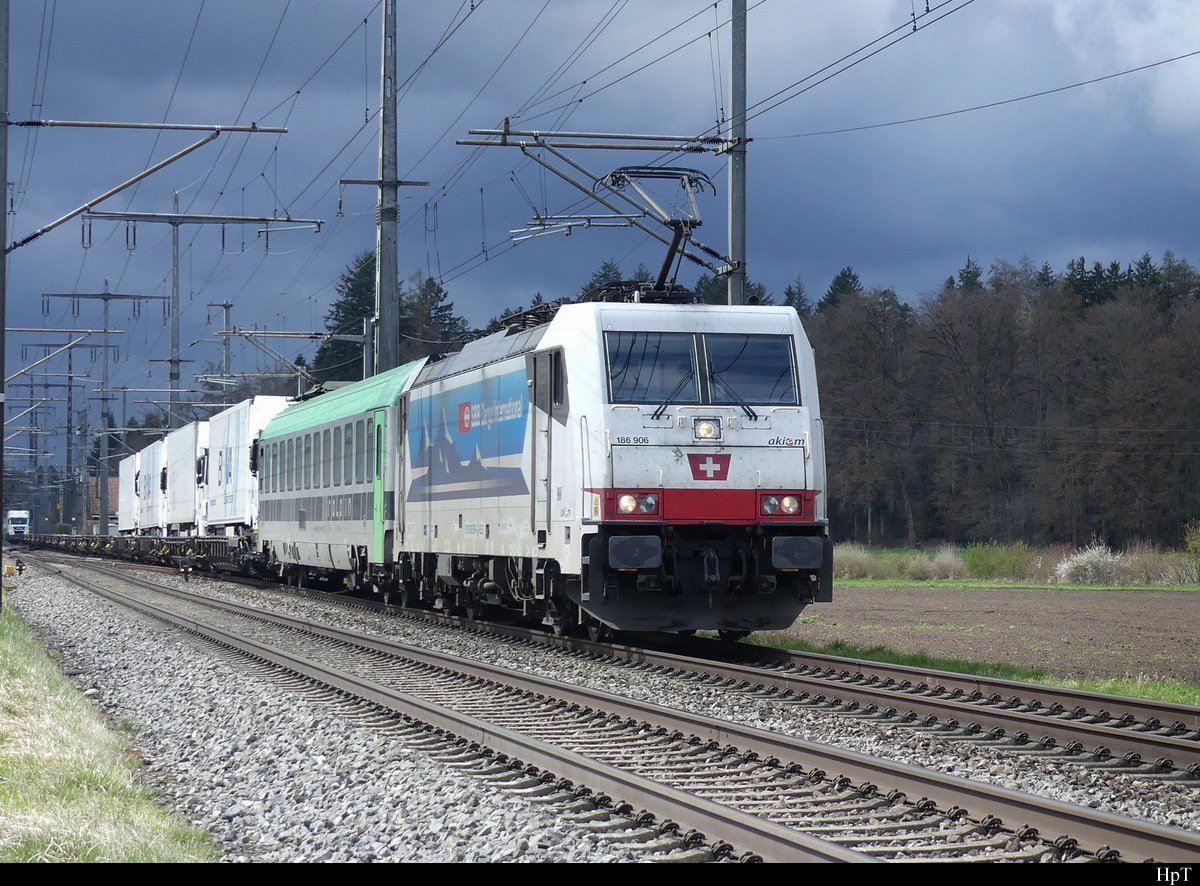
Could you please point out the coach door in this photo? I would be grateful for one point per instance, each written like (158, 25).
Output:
(378, 462)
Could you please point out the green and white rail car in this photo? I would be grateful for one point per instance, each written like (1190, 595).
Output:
(327, 471)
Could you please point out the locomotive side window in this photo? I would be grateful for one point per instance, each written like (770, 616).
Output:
(757, 369)
(558, 380)
(650, 367)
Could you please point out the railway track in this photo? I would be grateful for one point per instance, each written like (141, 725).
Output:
(758, 792)
(1107, 730)
(1102, 731)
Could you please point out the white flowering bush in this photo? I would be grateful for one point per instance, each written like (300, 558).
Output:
(1094, 565)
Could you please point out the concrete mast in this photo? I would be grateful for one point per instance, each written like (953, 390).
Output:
(737, 158)
(387, 283)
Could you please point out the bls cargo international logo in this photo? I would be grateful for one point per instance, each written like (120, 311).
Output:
(468, 439)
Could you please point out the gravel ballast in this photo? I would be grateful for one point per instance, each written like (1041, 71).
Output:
(273, 776)
(277, 777)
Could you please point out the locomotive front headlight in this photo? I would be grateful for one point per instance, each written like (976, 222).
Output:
(649, 504)
(706, 429)
(790, 504)
(770, 504)
(627, 503)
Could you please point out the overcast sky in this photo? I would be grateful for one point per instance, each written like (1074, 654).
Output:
(1107, 170)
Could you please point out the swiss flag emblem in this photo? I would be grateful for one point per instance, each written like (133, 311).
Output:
(464, 417)
(709, 465)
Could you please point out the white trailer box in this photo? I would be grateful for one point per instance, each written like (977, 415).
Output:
(151, 477)
(127, 496)
(231, 491)
(185, 450)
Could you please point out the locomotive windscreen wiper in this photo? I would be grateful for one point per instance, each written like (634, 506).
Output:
(716, 379)
(662, 407)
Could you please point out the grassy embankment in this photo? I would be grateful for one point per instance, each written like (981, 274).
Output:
(68, 788)
(1018, 565)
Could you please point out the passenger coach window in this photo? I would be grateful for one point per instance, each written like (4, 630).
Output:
(306, 468)
(316, 467)
(325, 461)
(348, 456)
(337, 456)
(360, 453)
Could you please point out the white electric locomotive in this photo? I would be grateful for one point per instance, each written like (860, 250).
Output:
(640, 466)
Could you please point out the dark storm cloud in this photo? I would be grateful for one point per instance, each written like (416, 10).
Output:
(1108, 171)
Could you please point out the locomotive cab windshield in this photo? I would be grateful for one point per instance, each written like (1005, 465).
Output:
(714, 369)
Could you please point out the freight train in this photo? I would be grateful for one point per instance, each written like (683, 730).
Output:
(648, 463)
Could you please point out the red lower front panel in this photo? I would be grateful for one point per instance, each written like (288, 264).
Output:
(709, 506)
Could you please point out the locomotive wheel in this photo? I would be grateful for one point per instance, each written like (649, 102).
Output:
(598, 631)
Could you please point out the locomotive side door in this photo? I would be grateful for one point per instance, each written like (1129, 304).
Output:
(549, 402)
(540, 453)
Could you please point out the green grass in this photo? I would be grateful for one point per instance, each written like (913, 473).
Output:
(1161, 690)
(68, 786)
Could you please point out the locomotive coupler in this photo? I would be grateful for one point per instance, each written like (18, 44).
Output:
(712, 567)
(750, 578)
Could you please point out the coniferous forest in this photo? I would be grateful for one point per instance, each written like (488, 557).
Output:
(1016, 405)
